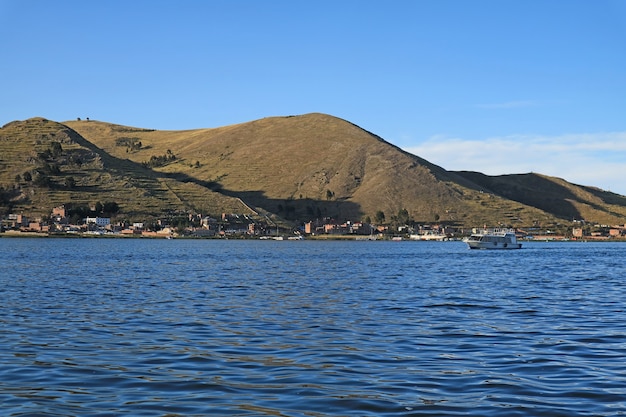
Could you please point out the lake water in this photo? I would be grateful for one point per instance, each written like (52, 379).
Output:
(111, 327)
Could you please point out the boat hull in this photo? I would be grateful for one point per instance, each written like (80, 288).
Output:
(496, 239)
(493, 245)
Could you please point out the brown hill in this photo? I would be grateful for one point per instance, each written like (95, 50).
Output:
(297, 167)
(314, 165)
(555, 195)
(44, 164)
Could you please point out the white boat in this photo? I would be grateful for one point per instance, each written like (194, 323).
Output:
(493, 239)
(429, 236)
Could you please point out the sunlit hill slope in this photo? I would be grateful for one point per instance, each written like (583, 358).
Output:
(295, 168)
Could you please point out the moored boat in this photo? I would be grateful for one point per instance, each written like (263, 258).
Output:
(493, 239)
(429, 236)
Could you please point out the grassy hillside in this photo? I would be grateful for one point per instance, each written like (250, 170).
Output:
(564, 200)
(44, 164)
(294, 166)
(297, 168)
(313, 165)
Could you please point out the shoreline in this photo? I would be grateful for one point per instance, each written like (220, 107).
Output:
(40, 235)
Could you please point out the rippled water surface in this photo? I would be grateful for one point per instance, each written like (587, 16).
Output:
(109, 327)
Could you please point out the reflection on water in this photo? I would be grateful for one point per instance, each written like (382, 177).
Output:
(251, 328)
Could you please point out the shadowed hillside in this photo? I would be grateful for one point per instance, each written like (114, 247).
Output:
(297, 168)
(555, 195)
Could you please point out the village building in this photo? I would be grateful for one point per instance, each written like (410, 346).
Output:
(98, 221)
(59, 212)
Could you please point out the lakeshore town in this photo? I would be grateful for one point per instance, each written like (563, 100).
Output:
(244, 226)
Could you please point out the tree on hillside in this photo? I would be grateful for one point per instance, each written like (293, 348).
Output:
(132, 144)
(158, 161)
(51, 169)
(76, 159)
(110, 207)
(55, 149)
(42, 180)
(379, 217)
(402, 217)
(44, 155)
(70, 182)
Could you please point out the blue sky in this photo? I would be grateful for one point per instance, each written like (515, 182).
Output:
(497, 86)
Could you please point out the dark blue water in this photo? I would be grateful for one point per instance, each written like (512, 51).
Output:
(110, 327)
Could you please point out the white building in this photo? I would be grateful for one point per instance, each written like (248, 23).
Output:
(98, 221)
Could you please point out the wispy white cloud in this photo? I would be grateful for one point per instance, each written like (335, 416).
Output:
(597, 159)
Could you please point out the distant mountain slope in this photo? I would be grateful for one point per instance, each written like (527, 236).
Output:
(297, 167)
(554, 195)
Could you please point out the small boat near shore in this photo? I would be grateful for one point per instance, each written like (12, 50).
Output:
(493, 239)
(440, 237)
